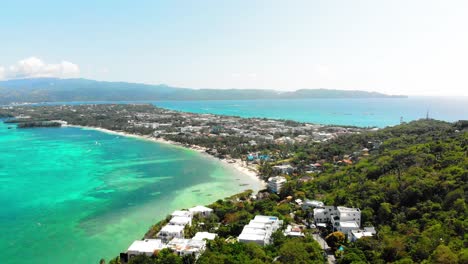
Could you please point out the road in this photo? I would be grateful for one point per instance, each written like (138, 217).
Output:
(330, 257)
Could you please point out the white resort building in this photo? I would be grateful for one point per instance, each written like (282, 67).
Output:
(204, 236)
(358, 234)
(201, 210)
(182, 213)
(294, 230)
(342, 218)
(181, 220)
(169, 232)
(184, 247)
(142, 247)
(259, 230)
(275, 184)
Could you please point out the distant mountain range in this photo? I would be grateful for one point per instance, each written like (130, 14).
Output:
(67, 90)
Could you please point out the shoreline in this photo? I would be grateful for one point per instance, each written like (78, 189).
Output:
(238, 165)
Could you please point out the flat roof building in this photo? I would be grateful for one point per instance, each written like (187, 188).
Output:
(204, 236)
(275, 184)
(169, 232)
(187, 246)
(145, 247)
(182, 213)
(358, 234)
(201, 210)
(259, 230)
(181, 220)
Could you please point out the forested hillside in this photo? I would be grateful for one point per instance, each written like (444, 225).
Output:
(413, 188)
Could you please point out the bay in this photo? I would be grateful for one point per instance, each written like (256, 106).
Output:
(72, 195)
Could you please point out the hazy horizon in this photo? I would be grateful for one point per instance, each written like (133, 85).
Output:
(412, 48)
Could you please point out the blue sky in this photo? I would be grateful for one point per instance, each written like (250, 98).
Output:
(398, 47)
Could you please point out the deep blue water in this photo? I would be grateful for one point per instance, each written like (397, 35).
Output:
(358, 112)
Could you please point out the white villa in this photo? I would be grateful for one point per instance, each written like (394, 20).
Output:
(283, 169)
(358, 234)
(201, 210)
(275, 184)
(294, 231)
(187, 246)
(146, 247)
(169, 232)
(182, 213)
(181, 220)
(259, 230)
(342, 218)
(346, 214)
(204, 236)
(346, 227)
(334, 214)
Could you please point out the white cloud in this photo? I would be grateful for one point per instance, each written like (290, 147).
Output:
(2, 72)
(34, 67)
(244, 75)
(321, 69)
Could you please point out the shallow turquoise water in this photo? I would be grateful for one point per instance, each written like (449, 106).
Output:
(71, 195)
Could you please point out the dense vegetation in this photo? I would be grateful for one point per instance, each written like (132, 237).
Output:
(68, 90)
(413, 188)
(38, 124)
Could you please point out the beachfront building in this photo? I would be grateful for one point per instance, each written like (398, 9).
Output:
(275, 184)
(169, 232)
(183, 247)
(201, 210)
(146, 247)
(204, 236)
(181, 220)
(182, 213)
(259, 230)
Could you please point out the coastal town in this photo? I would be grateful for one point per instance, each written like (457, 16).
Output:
(182, 127)
(322, 200)
(259, 230)
(243, 142)
(249, 142)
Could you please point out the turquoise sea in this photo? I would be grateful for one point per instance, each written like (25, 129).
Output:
(376, 112)
(72, 195)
